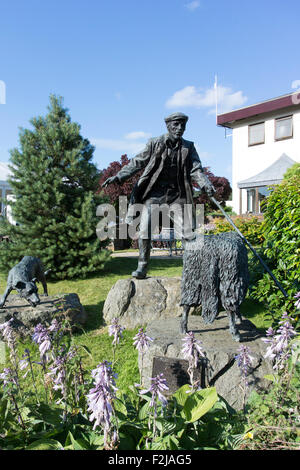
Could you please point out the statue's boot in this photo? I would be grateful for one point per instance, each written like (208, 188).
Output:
(144, 255)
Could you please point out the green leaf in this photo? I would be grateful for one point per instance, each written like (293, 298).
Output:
(295, 351)
(120, 407)
(45, 444)
(181, 394)
(48, 414)
(166, 427)
(159, 444)
(126, 442)
(199, 403)
(77, 444)
(269, 377)
(96, 439)
(144, 411)
(172, 443)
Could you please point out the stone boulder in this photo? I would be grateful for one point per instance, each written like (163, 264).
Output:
(140, 301)
(64, 306)
(220, 368)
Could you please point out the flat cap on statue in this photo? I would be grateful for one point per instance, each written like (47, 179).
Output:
(176, 117)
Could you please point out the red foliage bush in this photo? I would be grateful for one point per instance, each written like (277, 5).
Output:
(222, 186)
(113, 191)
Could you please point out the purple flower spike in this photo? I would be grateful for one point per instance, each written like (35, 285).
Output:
(25, 363)
(104, 375)
(55, 326)
(192, 350)
(100, 400)
(142, 341)
(8, 333)
(244, 360)
(42, 338)
(116, 330)
(8, 377)
(58, 372)
(279, 342)
(159, 385)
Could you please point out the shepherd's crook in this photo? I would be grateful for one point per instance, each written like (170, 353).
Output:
(249, 245)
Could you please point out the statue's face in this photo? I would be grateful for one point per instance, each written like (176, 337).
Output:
(176, 129)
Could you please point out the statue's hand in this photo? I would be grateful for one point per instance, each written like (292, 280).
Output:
(209, 189)
(110, 180)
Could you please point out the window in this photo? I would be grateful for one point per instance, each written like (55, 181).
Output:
(251, 200)
(263, 193)
(256, 134)
(284, 128)
(255, 197)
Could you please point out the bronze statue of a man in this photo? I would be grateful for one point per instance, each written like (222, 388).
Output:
(171, 164)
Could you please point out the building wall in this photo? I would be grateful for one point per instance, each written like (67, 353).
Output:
(11, 220)
(5, 189)
(249, 161)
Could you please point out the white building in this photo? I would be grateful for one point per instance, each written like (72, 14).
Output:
(265, 143)
(5, 190)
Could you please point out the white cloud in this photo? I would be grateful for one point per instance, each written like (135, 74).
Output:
(137, 135)
(193, 97)
(131, 143)
(204, 156)
(124, 146)
(192, 5)
(2, 92)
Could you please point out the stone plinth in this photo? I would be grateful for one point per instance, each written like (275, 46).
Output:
(26, 317)
(221, 369)
(138, 302)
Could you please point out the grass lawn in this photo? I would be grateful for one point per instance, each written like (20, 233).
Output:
(92, 293)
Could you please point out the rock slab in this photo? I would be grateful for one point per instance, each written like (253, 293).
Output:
(221, 369)
(64, 306)
(140, 301)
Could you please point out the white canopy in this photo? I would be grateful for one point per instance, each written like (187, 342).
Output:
(271, 175)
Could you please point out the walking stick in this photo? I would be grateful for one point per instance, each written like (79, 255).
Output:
(249, 245)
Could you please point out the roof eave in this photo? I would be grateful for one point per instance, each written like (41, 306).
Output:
(258, 184)
(286, 101)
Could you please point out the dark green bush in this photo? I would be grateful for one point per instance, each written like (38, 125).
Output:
(281, 229)
(294, 170)
(251, 228)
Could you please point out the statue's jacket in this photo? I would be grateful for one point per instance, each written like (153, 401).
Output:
(151, 159)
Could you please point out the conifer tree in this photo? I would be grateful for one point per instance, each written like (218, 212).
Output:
(54, 183)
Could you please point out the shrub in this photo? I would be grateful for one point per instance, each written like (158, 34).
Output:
(294, 170)
(251, 228)
(281, 229)
(274, 416)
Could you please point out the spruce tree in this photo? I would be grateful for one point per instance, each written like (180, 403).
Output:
(54, 183)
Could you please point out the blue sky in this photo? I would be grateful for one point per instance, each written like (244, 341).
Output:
(122, 66)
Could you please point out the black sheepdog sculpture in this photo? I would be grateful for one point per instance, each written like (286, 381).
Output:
(215, 273)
